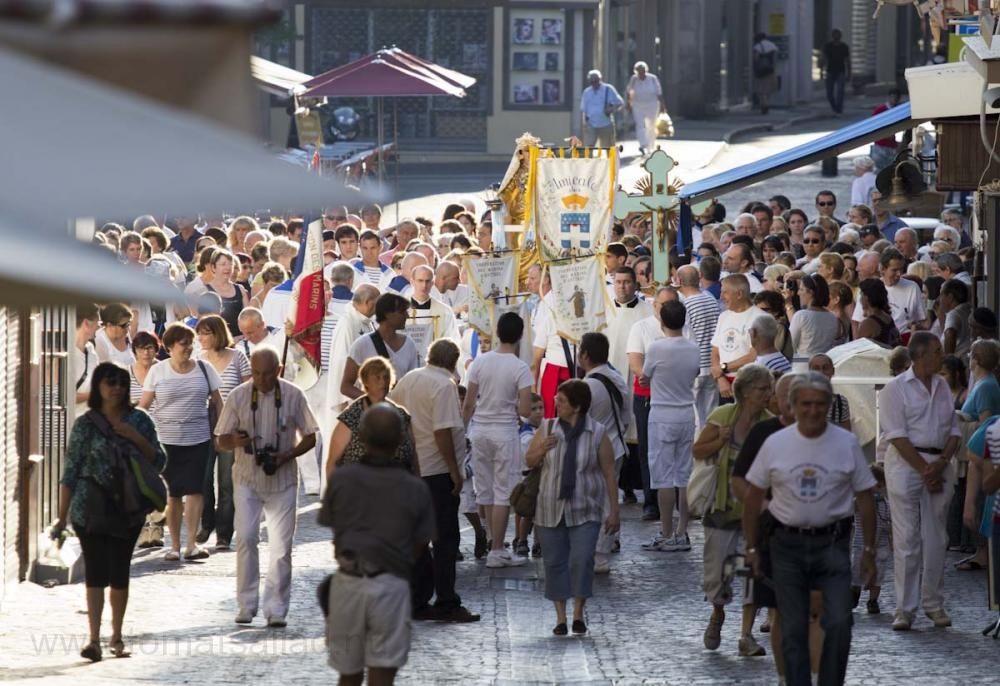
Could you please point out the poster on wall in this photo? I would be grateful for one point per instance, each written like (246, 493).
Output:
(551, 92)
(525, 61)
(525, 94)
(524, 30)
(552, 31)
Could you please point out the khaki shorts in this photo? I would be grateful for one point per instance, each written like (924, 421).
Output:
(369, 622)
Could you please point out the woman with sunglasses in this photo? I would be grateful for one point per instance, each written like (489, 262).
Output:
(813, 242)
(106, 536)
(112, 339)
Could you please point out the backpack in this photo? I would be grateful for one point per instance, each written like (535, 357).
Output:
(763, 64)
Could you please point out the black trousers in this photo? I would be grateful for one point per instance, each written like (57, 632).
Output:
(434, 572)
(640, 408)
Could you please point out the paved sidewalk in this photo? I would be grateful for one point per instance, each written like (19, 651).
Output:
(646, 622)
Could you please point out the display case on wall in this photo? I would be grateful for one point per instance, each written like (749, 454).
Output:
(537, 54)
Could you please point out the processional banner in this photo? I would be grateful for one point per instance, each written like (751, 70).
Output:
(579, 297)
(489, 278)
(572, 200)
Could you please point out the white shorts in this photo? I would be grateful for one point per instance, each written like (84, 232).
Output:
(496, 463)
(670, 454)
(369, 622)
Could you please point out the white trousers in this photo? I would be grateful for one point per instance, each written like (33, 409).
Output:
(313, 478)
(706, 399)
(919, 534)
(278, 510)
(645, 124)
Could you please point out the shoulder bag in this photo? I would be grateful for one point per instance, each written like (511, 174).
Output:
(524, 497)
(702, 485)
(617, 402)
(213, 415)
(144, 489)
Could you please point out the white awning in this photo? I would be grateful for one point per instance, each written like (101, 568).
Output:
(78, 148)
(276, 79)
(953, 89)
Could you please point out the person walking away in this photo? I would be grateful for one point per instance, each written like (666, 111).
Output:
(576, 493)
(107, 537)
(598, 105)
(431, 396)
(268, 423)
(671, 366)
(812, 505)
(835, 62)
(765, 77)
(645, 102)
(917, 415)
(499, 391)
(382, 518)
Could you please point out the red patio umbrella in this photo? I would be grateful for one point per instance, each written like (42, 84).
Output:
(390, 72)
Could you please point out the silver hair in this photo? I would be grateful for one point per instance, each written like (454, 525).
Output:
(365, 293)
(342, 274)
(746, 215)
(749, 375)
(849, 236)
(810, 381)
(864, 162)
(592, 73)
(765, 326)
(953, 236)
(642, 64)
(267, 351)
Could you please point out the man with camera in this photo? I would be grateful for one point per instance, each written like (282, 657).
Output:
(267, 421)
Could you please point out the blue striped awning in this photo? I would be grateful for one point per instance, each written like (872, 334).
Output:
(842, 140)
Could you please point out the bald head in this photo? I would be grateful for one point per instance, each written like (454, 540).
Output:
(381, 432)
(688, 276)
(365, 297)
(410, 261)
(446, 277)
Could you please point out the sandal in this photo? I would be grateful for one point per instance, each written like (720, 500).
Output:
(196, 553)
(560, 629)
(172, 556)
(969, 564)
(118, 648)
(92, 651)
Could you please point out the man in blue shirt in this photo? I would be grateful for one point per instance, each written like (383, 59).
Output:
(598, 104)
(888, 223)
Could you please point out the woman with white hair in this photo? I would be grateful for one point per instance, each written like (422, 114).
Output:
(864, 180)
(644, 101)
(948, 234)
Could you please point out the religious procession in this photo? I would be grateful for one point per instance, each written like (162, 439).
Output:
(535, 433)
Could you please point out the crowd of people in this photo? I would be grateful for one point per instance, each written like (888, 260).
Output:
(723, 371)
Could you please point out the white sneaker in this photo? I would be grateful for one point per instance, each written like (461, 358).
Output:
(656, 543)
(501, 558)
(672, 545)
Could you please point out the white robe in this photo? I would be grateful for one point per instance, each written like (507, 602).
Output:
(644, 96)
(350, 327)
(620, 321)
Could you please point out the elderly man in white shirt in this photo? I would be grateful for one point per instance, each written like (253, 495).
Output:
(597, 106)
(917, 416)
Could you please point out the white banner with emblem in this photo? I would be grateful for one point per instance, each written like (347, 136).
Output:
(423, 330)
(572, 201)
(580, 297)
(489, 278)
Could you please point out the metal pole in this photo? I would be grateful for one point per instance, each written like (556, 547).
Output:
(395, 151)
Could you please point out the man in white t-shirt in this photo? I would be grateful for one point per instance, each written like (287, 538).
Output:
(815, 471)
(671, 365)
(905, 297)
(390, 318)
(731, 348)
(84, 356)
(431, 397)
(499, 390)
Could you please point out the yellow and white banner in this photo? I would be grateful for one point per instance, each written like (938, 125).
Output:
(572, 201)
(580, 297)
(488, 279)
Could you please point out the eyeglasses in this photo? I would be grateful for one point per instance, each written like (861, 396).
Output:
(122, 325)
(811, 241)
(825, 203)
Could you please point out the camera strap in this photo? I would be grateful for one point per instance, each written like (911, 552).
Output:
(254, 404)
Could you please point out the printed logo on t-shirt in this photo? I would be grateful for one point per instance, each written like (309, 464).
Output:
(731, 339)
(809, 479)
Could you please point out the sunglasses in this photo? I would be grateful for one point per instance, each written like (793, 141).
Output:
(825, 203)
(811, 241)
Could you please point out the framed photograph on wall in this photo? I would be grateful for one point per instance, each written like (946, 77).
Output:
(552, 61)
(525, 94)
(552, 32)
(551, 92)
(525, 61)
(524, 30)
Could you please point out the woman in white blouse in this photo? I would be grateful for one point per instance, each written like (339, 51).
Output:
(578, 491)
(644, 100)
(112, 339)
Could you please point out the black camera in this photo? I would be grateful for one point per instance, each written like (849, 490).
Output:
(265, 460)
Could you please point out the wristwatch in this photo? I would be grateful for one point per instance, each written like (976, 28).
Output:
(725, 367)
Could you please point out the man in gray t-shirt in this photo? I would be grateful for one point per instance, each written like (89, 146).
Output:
(382, 519)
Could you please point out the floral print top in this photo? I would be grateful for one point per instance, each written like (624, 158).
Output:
(86, 459)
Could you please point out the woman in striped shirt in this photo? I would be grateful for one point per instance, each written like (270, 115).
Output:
(182, 390)
(577, 492)
(234, 368)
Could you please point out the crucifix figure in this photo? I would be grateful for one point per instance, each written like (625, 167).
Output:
(658, 203)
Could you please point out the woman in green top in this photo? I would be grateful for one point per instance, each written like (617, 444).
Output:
(725, 430)
(107, 549)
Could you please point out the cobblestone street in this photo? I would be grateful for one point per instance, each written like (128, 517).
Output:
(646, 622)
